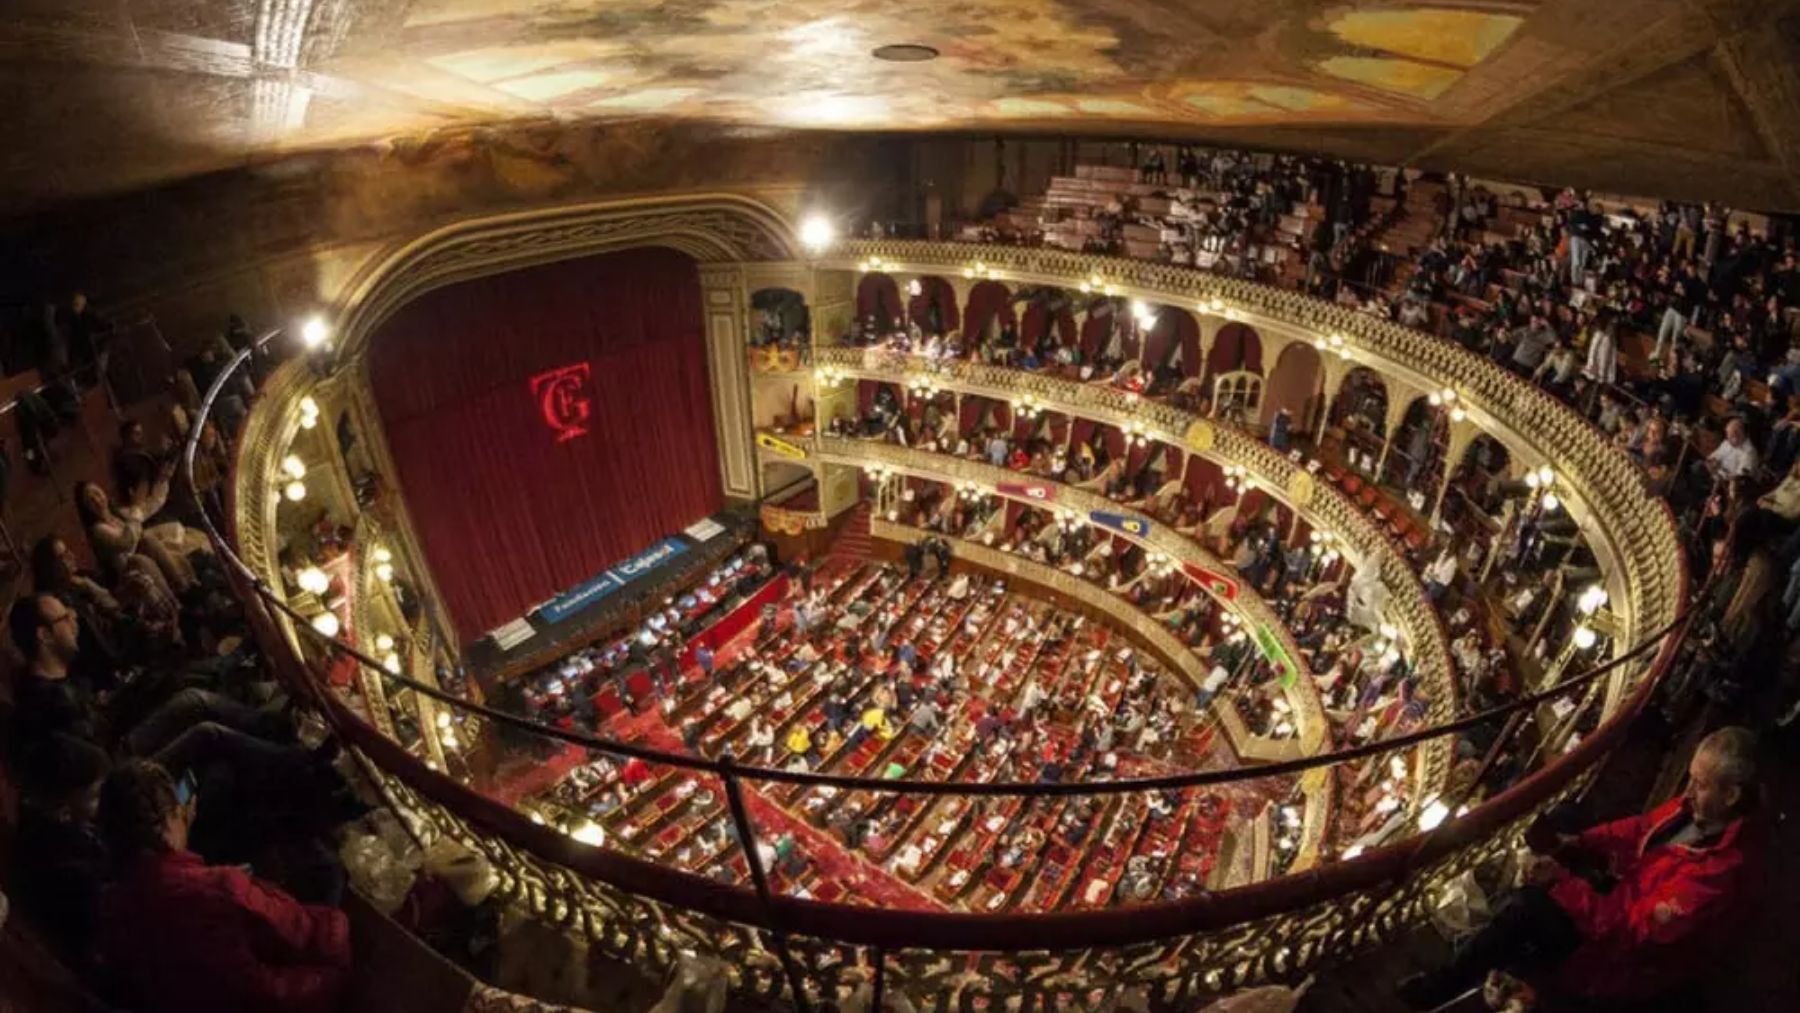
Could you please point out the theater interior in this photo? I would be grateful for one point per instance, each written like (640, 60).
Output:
(1010, 505)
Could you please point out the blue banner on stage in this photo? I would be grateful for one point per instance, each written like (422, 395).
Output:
(607, 581)
(1136, 527)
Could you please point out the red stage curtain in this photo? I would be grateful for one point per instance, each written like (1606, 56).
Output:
(508, 514)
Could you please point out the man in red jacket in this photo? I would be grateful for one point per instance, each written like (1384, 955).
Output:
(1653, 897)
(183, 935)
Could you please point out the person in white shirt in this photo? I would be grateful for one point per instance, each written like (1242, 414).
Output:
(1602, 356)
(1735, 457)
(1214, 682)
(1440, 572)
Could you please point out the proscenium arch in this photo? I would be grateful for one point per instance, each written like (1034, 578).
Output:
(712, 228)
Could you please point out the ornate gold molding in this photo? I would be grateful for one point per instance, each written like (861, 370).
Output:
(1629, 530)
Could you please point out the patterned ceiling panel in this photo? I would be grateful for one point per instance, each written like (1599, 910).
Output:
(105, 95)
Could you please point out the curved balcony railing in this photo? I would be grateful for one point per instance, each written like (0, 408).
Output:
(1363, 543)
(1155, 536)
(1635, 531)
(811, 951)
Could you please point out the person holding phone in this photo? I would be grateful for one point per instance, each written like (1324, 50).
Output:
(188, 936)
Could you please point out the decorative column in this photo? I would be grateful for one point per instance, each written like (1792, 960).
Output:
(1334, 369)
(1461, 435)
(1400, 398)
(727, 302)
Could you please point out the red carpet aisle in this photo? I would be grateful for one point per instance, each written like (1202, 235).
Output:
(866, 883)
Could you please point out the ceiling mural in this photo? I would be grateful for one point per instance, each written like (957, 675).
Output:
(163, 88)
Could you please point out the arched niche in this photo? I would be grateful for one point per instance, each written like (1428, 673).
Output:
(778, 315)
(1295, 384)
(1172, 348)
(1474, 498)
(931, 304)
(989, 311)
(1047, 320)
(1359, 415)
(1416, 455)
(1236, 346)
(878, 300)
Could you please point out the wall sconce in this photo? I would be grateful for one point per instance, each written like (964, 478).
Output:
(313, 580)
(326, 623)
(1237, 478)
(315, 333)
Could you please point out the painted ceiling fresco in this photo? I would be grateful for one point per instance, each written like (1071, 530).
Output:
(104, 94)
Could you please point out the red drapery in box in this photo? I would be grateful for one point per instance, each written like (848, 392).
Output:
(511, 508)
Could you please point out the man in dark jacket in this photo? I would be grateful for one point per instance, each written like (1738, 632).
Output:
(1630, 909)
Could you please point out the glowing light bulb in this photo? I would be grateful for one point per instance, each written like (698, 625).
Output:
(590, 833)
(1585, 637)
(1551, 502)
(312, 579)
(443, 719)
(1433, 815)
(308, 421)
(293, 467)
(1546, 476)
(295, 491)
(382, 555)
(384, 571)
(314, 332)
(817, 232)
(391, 663)
(326, 623)
(386, 643)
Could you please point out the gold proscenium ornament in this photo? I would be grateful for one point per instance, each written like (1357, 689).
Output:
(1300, 488)
(1200, 436)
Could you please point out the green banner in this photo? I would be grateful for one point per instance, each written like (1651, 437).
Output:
(1271, 648)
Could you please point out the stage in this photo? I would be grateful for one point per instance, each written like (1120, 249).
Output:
(610, 602)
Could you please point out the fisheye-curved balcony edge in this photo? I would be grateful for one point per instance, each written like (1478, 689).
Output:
(1274, 899)
(1362, 542)
(1629, 530)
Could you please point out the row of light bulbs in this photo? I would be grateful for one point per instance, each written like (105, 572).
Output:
(1447, 398)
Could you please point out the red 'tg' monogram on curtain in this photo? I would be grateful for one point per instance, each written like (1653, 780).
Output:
(565, 400)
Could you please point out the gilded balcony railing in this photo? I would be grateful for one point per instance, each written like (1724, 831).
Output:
(781, 947)
(1628, 528)
(1364, 544)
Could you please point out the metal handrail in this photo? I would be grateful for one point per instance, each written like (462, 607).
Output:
(899, 929)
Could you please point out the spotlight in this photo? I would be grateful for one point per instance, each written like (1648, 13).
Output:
(326, 623)
(315, 332)
(817, 232)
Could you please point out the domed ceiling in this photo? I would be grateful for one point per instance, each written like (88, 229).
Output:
(1688, 97)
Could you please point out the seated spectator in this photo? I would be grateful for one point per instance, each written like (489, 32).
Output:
(1630, 909)
(1735, 456)
(183, 935)
(122, 532)
(59, 864)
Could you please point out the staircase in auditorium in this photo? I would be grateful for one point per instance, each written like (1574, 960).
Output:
(854, 541)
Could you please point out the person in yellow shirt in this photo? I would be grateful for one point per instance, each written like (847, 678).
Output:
(799, 740)
(875, 720)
